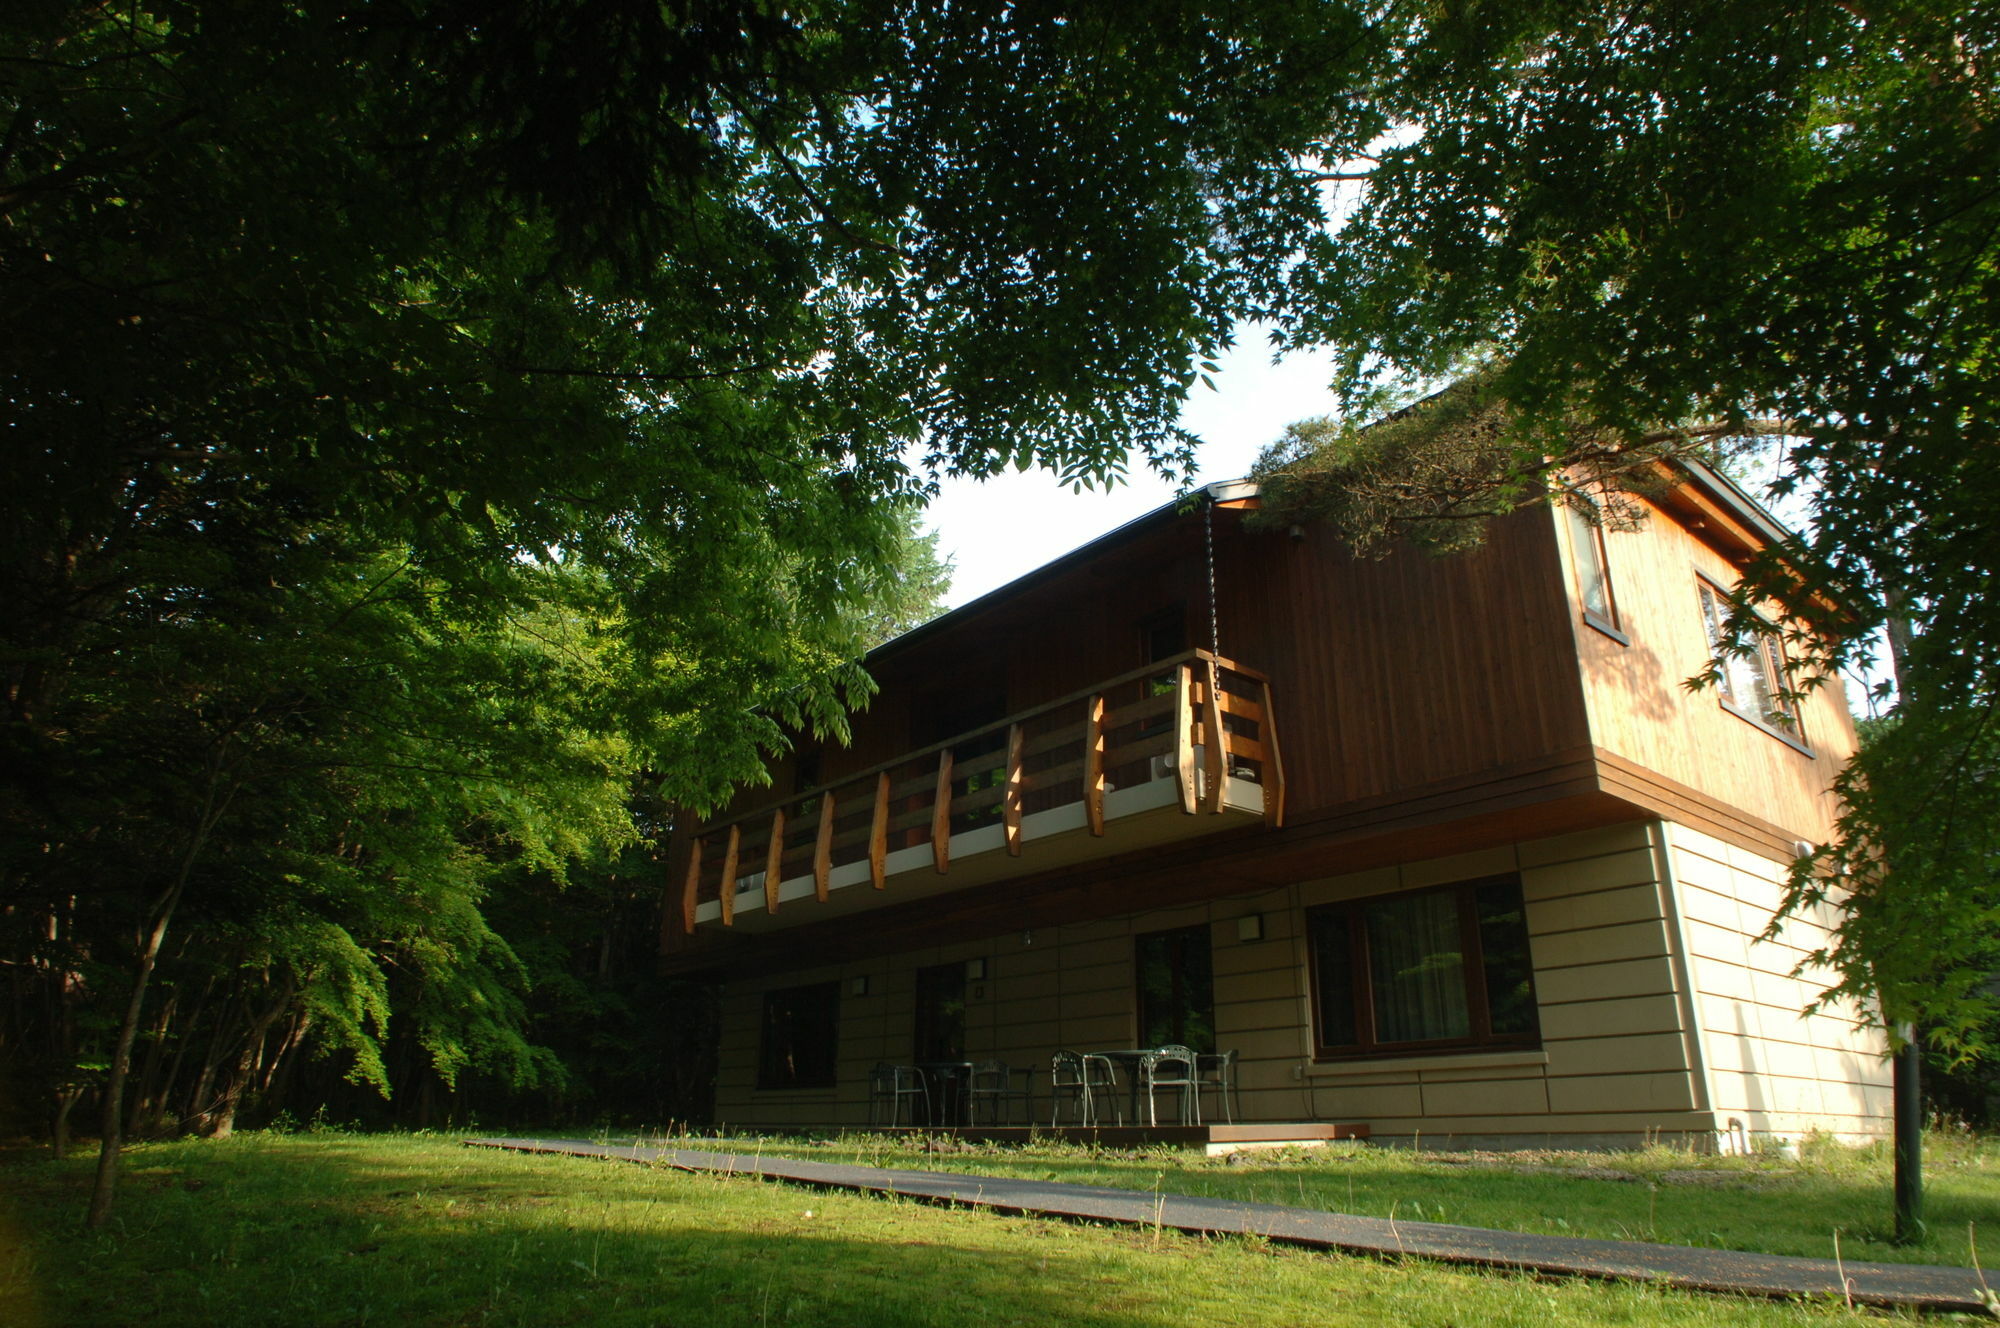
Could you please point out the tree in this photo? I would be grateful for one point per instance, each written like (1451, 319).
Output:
(1641, 228)
(678, 306)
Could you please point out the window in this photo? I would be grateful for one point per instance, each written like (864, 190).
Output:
(1593, 570)
(940, 1030)
(1753, 686)
(1176, 989)
(800, 1037)
(1426, 971)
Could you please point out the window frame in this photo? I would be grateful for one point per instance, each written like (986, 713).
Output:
(1587, 544)
(823, 1000)
(1362, 996)
(1771, 662)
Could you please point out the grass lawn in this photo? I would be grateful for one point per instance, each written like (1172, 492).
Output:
(1767, 1203)
(354, 1229)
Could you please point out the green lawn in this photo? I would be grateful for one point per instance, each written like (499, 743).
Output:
(1768, 1203)
(355, 1229)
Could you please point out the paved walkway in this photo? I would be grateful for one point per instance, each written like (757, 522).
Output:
(1888, 1285)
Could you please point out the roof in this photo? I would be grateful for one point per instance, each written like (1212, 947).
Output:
(1222, 491)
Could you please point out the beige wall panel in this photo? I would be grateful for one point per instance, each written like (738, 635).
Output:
(1481, 1075)
(1583, 844)
(1360, 1104)
(1028, 961)
(1602, 908)
(1085, 955)
(1708, 941)
(1286, 1044)
(1460, 867)
(1357, 885)
(1279, 921)
(1262, 964)
(1594, 1019)
(1781, 991)
(1105, 1033)
(1621, 1092)
(1170, 919)
(1493, 1098)
(1718, 979)
(1263, 969)
(1646, 1053)
(1085, 933)
(1038, 1041)
(1042, 1007)
(1252, 1016)
(1264, 984)
(1632, 866)
(1634, 940)
(1588, 982)
(1764, 1056)
(1558, 1127)
(1096, 1005)
(1096, 980)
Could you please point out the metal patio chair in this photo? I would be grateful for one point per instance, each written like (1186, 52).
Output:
(1085, 1082)
(995, 1087)
(889, 1087)
(1217, 1074)
(1171, 1067)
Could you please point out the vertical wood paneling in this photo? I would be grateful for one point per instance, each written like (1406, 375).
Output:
(1640, 705)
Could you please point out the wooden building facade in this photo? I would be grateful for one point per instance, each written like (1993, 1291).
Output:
(1434, 845)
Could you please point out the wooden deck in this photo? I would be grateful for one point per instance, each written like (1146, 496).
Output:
(1216, 1138)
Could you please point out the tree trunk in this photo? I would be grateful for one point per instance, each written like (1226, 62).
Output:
(112, 1132)
(1909, 1098)
(180, 1052)
(67, 1097)
(203, 1098)
(146, 1105)
(224, 1123)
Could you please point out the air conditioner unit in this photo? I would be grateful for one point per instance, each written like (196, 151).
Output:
(1163, 768)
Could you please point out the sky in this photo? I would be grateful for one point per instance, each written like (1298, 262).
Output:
(995, 530)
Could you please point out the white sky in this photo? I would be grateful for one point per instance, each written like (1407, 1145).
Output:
(995, 530)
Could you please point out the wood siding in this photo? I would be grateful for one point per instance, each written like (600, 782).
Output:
(1642, 711)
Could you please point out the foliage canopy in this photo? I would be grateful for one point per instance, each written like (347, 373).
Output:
(1680, 222)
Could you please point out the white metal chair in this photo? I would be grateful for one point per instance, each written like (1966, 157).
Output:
(1171, 1067)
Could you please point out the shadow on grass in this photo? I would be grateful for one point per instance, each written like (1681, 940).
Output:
(351, 1232)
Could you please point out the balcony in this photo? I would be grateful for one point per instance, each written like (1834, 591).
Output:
(1182, 748)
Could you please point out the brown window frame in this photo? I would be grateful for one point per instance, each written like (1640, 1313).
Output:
(1366, 1046)
(1587, 540)
(1771, 660)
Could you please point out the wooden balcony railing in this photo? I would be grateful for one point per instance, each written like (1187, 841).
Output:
(1196, 719)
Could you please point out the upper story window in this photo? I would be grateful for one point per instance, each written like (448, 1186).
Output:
(1432, 970)
(1593, 570)
(1756, 685)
